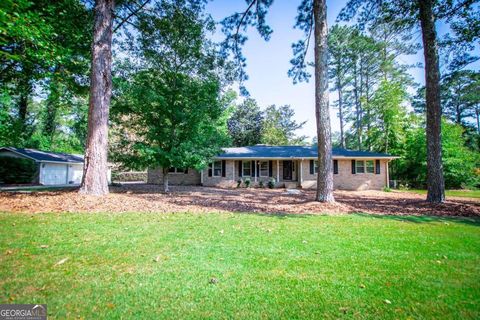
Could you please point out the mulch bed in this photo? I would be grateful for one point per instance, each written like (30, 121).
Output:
(149, 198)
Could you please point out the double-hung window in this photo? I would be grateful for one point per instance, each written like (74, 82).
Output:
(360, 166)
(370, 166)
(217, 168)
(176, 170)
(263, 168)
(246, 168)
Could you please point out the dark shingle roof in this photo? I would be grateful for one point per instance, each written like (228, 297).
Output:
(39, 155)
(264, 151)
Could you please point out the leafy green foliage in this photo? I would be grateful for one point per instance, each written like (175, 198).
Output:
(167, 109)
(461, 165)
(17, 170)
(279, 126)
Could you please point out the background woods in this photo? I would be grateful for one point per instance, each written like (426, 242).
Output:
(174, 102)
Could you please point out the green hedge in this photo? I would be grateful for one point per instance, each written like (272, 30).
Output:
(17, 170)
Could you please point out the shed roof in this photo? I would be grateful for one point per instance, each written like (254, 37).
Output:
(279, 152)
(45, 156)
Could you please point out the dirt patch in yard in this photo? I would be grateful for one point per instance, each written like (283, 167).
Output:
(149, 198)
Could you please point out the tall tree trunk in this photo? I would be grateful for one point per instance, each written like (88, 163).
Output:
(357, 107)
(25, 91)
(95, 180)
(49, 125)
(322, 112)
(435, 180)
(340, 115)
(165, 180)
(477, 112)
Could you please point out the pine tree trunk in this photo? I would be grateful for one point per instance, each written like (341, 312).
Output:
(477, 112)
(435, 180)
(165, 180)
(95, 180)
(340, 115)
(322, 114)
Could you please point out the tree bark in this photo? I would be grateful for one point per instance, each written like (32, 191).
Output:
(435, 180)
(340, 115)
(322, 112)
(95, 180)
(165, 180)
(477, 112)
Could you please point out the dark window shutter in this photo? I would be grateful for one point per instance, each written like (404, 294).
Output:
(210, 165)
(270, 168)
(377, 166)
(186, 171)
(311, 167)
(223, 167)
(252, 168)
(240, 167)
(335, 166)
(353, 167)
(258, 168)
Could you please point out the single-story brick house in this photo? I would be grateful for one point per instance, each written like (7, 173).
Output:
(290, 166)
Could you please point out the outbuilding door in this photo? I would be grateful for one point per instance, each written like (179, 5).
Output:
(54, 173)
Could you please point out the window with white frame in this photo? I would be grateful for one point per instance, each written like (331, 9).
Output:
(263, 168)
(315, 166)
(370, 166)
(217, 168)
(246, 168)
(360, 166)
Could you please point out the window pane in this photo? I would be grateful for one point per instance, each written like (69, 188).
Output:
(247, 168)
(360, 166)
(370, 166)
(264, 168)
(171, 169)
(217, 168)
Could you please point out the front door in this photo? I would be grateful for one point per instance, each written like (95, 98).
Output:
(287, 170)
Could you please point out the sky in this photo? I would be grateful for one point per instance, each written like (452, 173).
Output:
(268, 62)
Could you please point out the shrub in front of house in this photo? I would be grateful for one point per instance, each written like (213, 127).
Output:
(271, 183)
(239, 183)
(247, 182)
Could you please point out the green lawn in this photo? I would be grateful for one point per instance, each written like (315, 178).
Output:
(151, 266)
(454, 193)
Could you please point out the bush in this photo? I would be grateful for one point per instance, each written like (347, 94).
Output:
(387, 189)
(239, 183)
(261, 184)
(17, 170)
(271, 183)
(247, 182)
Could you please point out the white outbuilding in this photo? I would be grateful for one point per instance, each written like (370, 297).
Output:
(51, 168)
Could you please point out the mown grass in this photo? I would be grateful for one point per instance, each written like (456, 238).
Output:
(453, 193)
(153, 266)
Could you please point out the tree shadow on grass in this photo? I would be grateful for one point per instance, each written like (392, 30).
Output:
(473, 221)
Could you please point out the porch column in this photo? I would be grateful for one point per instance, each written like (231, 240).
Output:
(233, 170)
(387, 174)
(301, 171)
(278, 171)
(255, 169)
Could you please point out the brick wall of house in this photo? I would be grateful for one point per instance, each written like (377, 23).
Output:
(155, 176)
(345, 180)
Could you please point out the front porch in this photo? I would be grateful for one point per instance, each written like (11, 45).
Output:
(287, 173)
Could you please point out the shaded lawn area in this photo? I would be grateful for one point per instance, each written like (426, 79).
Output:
(453, 193)
(152, 266)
